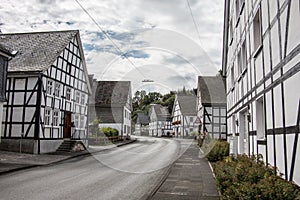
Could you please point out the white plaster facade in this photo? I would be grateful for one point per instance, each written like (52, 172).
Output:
(261, 61)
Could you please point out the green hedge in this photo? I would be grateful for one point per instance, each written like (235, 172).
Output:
(244, 177)
(109, 132)
(219, 151)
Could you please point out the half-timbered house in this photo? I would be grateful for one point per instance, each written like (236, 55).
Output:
(261, 60)
(160, 121)
(47, 91)
(5, 55)
(142, 124)
(184, 115)
(211, 106)
(112, 105)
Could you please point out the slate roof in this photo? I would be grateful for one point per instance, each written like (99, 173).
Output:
(5, 51)
(162, 112)
(143, 119)
(112, 93)
(187, 104)
(36, 51)
(212, 89)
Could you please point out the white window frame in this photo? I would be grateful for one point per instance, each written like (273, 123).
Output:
(57, 89)
(77, 97)
(260, 119)
(49, 88)
(47, 118)
(56, 118)
(232, 77)
(257, 36)
(76, 121)
(68, 93)
(82, 99)
(82, 121)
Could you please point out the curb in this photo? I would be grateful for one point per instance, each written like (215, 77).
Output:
(62, 160)
(165, 176)
(214, 175)
(18, 169)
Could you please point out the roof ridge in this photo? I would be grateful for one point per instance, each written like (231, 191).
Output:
(39, 32)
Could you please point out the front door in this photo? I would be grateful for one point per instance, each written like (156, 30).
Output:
(244, 143)
(67, 125)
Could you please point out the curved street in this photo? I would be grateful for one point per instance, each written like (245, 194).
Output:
(127, 172)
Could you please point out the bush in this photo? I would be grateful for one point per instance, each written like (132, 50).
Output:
(109, 132)
(219, 151)
(244, 177)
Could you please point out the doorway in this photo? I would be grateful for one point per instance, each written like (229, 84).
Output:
(243, 136)
(67, 125)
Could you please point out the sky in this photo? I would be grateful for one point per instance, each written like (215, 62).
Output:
(164, 41)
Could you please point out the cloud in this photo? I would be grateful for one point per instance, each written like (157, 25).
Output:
(135, 54)
(150, 33)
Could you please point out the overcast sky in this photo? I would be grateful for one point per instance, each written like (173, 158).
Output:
(149, 39)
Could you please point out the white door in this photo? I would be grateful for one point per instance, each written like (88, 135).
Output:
(243, 135)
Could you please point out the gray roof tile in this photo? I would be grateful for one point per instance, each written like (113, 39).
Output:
(212, 89)
(36, 51)
(112, 93)
(187, 104)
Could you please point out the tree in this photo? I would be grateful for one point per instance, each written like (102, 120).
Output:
(142, 101)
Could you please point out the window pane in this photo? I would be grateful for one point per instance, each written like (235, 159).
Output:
(208, 110)
(216, 120)
(216, 112)
(223, 112)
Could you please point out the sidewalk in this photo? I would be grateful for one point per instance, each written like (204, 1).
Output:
(190, 177)
(13, 161)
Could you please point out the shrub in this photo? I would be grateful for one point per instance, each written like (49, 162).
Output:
(244, 177)
(219, 151)
(109, 132)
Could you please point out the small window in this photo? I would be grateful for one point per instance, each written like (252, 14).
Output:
(260, 119)
(83, 99)
(76, 121)
(68, 68)
(68, 93)
(257, 30)
(244, 55)
(191, 119)
(47, 116)
(242, 58)
(232, 76)
(82, 121)
(49, 87)
(77, 98)
(55, 118)
(57, 89)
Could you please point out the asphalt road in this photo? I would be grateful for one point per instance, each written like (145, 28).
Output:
(127, 172)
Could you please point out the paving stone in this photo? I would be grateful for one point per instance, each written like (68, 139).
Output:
(190, 178)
